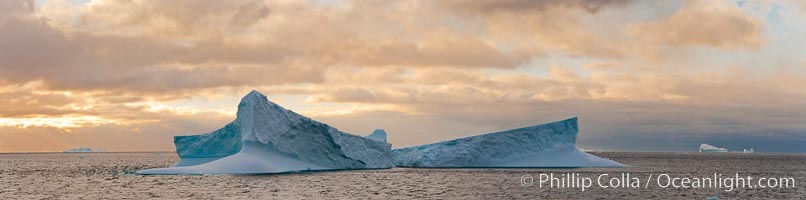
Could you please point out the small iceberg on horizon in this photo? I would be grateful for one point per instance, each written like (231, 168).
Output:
(83, 150)
(546, 145)
(707, 148)
(267, 138)
(713, 149)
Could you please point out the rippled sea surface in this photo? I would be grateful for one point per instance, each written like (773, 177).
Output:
(109, 175)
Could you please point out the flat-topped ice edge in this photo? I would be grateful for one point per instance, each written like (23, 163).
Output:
(540, 146)
(267, 138)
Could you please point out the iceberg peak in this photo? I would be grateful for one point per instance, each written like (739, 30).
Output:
(253, 96)
(378, 134)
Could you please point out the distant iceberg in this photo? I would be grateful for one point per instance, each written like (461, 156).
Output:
(83, 150)
(267, 138)
(78, 150)
(546, 145)
(378, 134)
(710, 148)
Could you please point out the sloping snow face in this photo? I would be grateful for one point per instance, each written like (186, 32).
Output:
(710, 148)
(378, 134)
(267, 138)
(546, 145)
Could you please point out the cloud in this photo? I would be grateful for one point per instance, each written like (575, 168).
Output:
(169, 46)
(492, 6)
(135, 62)
(424, 70)
(16, 8)
(705, 23)
(172, 19)
(440, 48)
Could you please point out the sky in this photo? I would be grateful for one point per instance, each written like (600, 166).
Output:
(661, 75)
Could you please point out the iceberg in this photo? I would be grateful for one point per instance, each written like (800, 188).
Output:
(378, 134)
(79, 150)
(710, 148)
(267, 138)
(545, 145)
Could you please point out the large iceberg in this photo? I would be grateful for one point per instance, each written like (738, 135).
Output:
(267, 138)
(545, 145)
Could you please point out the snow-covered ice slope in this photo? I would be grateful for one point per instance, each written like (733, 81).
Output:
(545, 145)
(267, 138)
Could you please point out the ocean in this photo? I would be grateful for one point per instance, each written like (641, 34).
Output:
(650, 175)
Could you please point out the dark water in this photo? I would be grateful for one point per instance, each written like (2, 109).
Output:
(108, 175)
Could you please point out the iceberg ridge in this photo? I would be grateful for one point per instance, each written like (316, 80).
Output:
(545, 145)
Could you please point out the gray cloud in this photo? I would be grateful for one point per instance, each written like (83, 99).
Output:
(509, 6)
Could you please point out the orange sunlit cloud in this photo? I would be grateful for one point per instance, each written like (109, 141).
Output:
(128, 75)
